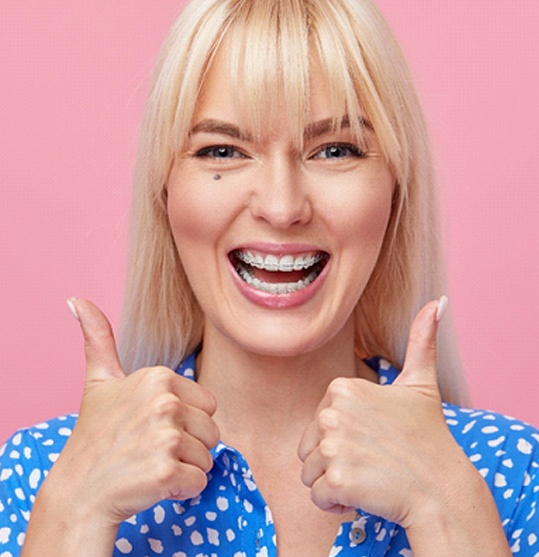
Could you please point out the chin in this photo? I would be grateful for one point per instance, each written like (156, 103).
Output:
(290, 341)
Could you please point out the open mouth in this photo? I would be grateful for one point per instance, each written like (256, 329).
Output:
(281, 274)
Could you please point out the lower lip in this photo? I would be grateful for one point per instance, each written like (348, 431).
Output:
(279, 301)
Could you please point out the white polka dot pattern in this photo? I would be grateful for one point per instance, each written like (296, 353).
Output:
(231, 518)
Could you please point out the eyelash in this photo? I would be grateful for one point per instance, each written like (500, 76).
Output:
(206, 152)
(354, 151)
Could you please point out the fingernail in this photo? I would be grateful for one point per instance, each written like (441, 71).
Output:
(442, 307)
(72, 309)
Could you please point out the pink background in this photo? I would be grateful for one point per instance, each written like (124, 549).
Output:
(73, 79)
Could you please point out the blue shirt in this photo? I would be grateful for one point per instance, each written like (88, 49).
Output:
(230, 517)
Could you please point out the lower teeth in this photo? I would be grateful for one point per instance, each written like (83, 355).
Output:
(277, 288)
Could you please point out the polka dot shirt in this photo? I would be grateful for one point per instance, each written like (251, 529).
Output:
(230, 517)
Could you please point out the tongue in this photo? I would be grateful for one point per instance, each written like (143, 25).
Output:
(279, 276)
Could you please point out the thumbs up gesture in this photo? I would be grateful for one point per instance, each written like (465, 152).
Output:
(139, 438)
(384, 449)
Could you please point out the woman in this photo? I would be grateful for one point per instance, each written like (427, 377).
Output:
(283, 241)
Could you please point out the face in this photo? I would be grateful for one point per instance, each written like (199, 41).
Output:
(277, 244)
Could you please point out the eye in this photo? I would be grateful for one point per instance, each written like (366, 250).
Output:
(220, 152)
(337, 151)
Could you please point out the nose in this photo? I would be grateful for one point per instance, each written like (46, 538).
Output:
(280, 195)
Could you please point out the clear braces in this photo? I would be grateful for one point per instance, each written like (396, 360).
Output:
(274, 263)
(277, 288)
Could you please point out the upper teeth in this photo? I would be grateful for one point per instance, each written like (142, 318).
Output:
(282, 263)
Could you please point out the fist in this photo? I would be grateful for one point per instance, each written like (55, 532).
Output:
(383, 449)
(139, 438)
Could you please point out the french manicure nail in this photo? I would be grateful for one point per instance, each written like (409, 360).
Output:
(72, 309)
(442, 307)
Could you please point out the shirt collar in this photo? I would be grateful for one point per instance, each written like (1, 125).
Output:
(373, 527)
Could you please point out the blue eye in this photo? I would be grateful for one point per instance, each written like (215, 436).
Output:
(338, 151)
(219, 152)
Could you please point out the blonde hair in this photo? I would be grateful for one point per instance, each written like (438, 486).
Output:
(272, 44)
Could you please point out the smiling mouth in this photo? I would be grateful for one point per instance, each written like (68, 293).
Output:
(278, 274)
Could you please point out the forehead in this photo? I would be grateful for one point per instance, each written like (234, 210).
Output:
(223, 89)
(263, 108)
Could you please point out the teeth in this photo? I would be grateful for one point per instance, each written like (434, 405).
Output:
(299, 264)
(287, 263)
(277, 288)
(284, 263)
(271, 263)
(257, 261)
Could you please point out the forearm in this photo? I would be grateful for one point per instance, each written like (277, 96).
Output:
(466, 524)
(60, 528)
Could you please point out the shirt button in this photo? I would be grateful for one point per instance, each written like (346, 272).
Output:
(357, 535)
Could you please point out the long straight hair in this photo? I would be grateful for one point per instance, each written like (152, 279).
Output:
(272, 45)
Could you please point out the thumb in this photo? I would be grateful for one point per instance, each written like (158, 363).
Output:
(419, 370)
(102, 361)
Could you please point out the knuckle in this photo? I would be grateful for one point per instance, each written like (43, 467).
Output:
(171, 440)
(158, 378)
(165, 471)
(167, 405)
(420, 338)
(98, 337)
(328, 420)
(328, 449)
(335, 479)
(415, 336)
(341, 387)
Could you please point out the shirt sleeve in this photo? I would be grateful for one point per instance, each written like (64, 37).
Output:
(505, 452)
(522, 527)
(25, 460)
(19, 476)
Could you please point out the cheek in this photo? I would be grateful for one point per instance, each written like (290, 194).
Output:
(195, 232)
(186, 217)
(198, 210)
(361, 219)
(201, 213)
(369, 217)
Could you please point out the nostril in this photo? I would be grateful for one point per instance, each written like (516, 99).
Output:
(281, 211)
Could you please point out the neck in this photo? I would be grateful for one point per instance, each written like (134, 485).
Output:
(270, 396)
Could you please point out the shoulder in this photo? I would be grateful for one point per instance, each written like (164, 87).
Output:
(25, 460)
(33, 450)
(505, 451)
(488, 435)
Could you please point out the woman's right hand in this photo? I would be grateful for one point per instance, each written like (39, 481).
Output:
(139, 438)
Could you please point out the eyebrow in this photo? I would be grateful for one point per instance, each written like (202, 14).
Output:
(312, 130)
(327, 125)
(210, 125)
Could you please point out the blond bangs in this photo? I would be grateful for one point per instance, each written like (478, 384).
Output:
(268, 64)
(271, 47)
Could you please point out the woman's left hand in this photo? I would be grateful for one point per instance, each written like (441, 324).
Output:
(388, 451)
(382, 448)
